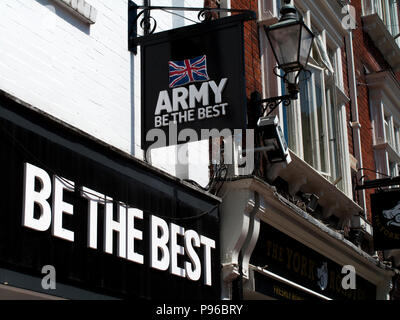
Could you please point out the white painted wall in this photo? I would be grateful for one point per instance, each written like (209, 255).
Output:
(167, 158)
(84, 74)
(69, 69)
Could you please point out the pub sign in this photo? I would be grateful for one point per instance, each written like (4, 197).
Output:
(193, 78)
(385, 207)
(298, 263)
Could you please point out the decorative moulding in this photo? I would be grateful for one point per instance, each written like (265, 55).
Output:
(81, 9)
(382, 39)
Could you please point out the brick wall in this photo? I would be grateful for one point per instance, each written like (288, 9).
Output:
(252, 48)
(365, 54)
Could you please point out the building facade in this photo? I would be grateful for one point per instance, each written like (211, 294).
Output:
(284, 246)
(85, 218)
(71, 115)
(378, 64)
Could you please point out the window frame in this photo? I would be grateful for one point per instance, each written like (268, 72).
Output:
(318, 122)
(323, 165)
(290, 117)
(387, 11)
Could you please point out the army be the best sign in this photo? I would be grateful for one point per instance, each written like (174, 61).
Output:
(193, 77)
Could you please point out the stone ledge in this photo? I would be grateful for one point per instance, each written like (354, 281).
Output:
(383, 39)
(80, 8)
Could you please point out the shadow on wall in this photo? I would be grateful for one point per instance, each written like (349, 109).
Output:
(56, 10)
(178, 21)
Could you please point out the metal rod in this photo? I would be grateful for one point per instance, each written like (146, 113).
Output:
(146, 29)
(261, 149)
(374, 184)
(193, 9)
(269, 100)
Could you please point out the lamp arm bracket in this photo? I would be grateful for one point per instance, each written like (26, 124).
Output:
(273, 103)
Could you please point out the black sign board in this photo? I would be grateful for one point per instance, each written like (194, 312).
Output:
(292, 260)
(385, 207)
(279, 290)
(106, 222)
(194, 77)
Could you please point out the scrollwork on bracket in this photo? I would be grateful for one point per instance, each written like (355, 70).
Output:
(149, 24)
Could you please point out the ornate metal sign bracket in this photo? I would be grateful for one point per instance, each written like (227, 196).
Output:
(148, 24)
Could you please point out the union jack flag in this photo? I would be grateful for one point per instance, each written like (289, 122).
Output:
(187, 71)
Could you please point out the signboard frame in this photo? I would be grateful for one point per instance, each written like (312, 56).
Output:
(222, 42)
(385, 208)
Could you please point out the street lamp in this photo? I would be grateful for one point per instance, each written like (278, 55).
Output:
(291, 42)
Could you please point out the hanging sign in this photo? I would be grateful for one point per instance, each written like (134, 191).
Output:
(193, 78)
(300, 264)
(385, 207)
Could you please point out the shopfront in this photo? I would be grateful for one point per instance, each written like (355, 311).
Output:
(273, 250)
(107, 224)
(306, 274)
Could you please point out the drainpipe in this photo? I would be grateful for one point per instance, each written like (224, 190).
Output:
(355, 124)
(146, 30)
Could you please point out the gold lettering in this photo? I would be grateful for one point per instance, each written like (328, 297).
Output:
(361, 294)
(289, 254)
(332, 280)
(281, 251)
(275, 251)
(296, 262)
(303, 266)
(338, 283)
(296, 297)
(311, 267)
(269, 245)
(281, 292)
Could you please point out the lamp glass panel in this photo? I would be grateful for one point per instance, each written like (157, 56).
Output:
(285, 43)
(305, 45)
(291, 77)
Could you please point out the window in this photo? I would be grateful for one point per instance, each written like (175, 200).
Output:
(313, 120)
(392, 133)
(394, 19)
(388, 130)
(278, 6)
(392, 139)
(384, 106)
(393, 169)
(387, 11)
(397, 139)
(312, 124)
(336, 172)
